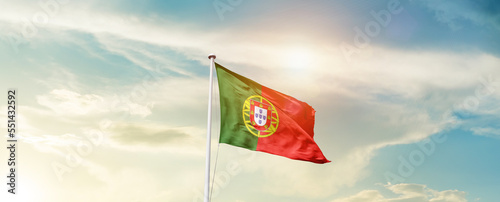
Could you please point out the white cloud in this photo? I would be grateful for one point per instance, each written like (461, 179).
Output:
(408, 193)
(480, 13)
(146, 55)
(486, 131)
(364, 196)
(69, 103)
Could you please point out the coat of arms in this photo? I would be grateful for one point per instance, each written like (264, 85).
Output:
(260, 116)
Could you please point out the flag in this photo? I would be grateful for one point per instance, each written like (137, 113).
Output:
(261, 119)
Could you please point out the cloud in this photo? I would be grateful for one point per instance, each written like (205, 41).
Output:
(150, 56)
(482, 13)
(486, 131)
(363, 196)
(67, 102)
(408, 193)
(149, 134)
(70, 103)
(134, 135)
(153, 137)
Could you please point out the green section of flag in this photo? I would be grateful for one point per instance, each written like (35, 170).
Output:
(234, 90)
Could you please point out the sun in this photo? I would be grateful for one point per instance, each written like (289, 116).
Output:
(298, 58)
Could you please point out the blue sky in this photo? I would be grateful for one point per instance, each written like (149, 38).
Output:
(113, 98)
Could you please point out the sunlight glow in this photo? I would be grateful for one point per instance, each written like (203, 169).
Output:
(298, 58)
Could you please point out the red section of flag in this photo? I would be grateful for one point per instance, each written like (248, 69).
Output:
(294, 136)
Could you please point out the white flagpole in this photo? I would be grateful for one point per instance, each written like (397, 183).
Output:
(209, 129)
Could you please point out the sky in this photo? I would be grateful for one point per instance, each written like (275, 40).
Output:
(112, 98)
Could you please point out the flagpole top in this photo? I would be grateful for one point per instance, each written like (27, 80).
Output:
(211, 56)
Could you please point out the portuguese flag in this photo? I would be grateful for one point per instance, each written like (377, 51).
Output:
(261, 119)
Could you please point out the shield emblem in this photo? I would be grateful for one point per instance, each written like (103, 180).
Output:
(260, 115)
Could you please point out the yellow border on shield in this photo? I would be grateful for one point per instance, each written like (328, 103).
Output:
(248, 124)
